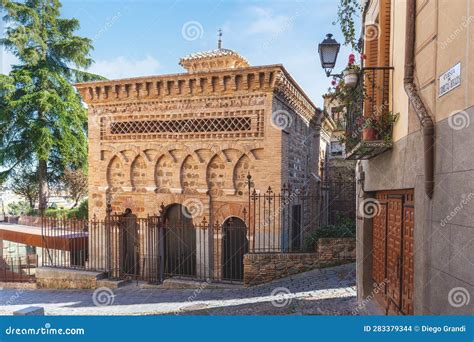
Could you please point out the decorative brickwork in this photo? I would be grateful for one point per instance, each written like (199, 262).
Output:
(192, 139)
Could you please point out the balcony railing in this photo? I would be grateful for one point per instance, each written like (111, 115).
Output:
(369, 121)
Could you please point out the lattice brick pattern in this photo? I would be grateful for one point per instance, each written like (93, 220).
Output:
(210, 127)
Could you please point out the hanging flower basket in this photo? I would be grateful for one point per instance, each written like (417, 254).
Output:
(351, 77)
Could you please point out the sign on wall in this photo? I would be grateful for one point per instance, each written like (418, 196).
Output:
(450, 79)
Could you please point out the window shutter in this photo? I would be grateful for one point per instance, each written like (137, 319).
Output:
(371, 53)
(383, 56)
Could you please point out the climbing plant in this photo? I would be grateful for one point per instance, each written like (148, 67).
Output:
(347, 12)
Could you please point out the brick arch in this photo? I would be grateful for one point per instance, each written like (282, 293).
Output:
(141, 175)
(241, 169)
(227, 210)
(164, 169)
(216, 175)
(116, 174)
(114, 152)
(189, 174)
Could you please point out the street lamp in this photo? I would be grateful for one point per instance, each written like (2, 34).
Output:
(328, 50)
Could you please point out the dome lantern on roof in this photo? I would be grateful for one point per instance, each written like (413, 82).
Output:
(218, 59)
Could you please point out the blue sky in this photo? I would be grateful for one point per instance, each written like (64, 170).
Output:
(145, 37)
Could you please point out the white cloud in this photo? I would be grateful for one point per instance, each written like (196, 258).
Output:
(266, 22)
(122, 67)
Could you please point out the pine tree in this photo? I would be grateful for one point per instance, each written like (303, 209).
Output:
(42, 119)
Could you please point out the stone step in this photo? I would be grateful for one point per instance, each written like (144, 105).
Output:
(63, 278)
(177, 283)
(112, 284)
(30, 311)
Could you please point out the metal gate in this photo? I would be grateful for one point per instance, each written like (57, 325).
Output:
(392, 266)
(235, 246)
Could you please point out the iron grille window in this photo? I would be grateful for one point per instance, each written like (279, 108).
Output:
(234, 124)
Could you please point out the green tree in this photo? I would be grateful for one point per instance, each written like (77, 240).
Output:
(25, 183)
(75, 182)
(42, 119)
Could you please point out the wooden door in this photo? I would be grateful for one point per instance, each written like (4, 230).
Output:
(392, 257)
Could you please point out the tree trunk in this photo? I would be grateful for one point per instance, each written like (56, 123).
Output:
(43, 185)
(32, 202)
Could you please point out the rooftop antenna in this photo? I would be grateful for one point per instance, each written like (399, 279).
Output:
(219, 42)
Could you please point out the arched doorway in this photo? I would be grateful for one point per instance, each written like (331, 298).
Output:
(179, 242)
(128, 240)
(234, 245)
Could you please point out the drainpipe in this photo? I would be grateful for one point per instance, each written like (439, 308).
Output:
(427, 125)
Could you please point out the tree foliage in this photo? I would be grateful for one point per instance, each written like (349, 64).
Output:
(42, 119)
(75, 182)
(346, 12)
(25, 184)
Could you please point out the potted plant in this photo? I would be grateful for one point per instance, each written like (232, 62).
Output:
(370, 132)
(384, 126)
(351, 73)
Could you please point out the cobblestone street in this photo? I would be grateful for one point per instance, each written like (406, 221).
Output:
(329, 291)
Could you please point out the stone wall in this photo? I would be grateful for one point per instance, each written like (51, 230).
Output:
(335, 250)
(60, 278)
(265, 267)
(34, 221)
(262, 268)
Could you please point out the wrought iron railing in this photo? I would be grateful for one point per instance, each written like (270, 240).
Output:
(369, 106)
(280, 222)
(18, 269)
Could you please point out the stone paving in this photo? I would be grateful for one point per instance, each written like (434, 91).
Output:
(329, 291)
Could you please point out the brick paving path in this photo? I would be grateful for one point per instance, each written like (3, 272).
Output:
(329, 291)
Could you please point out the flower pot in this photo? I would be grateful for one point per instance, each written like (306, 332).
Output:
(350, 78)
(369, 134)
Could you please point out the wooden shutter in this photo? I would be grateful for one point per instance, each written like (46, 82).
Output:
(371, 53)
(383, 76)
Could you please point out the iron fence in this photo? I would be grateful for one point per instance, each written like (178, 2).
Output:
(280, 222)
(18, 269)
(174, 244)
(151, 249)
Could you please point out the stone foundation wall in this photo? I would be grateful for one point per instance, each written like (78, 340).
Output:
(334, 250)
(60, 278)
(34, 221)
(265, 267)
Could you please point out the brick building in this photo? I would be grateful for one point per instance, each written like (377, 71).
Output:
(197, 135)
(189, 140)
